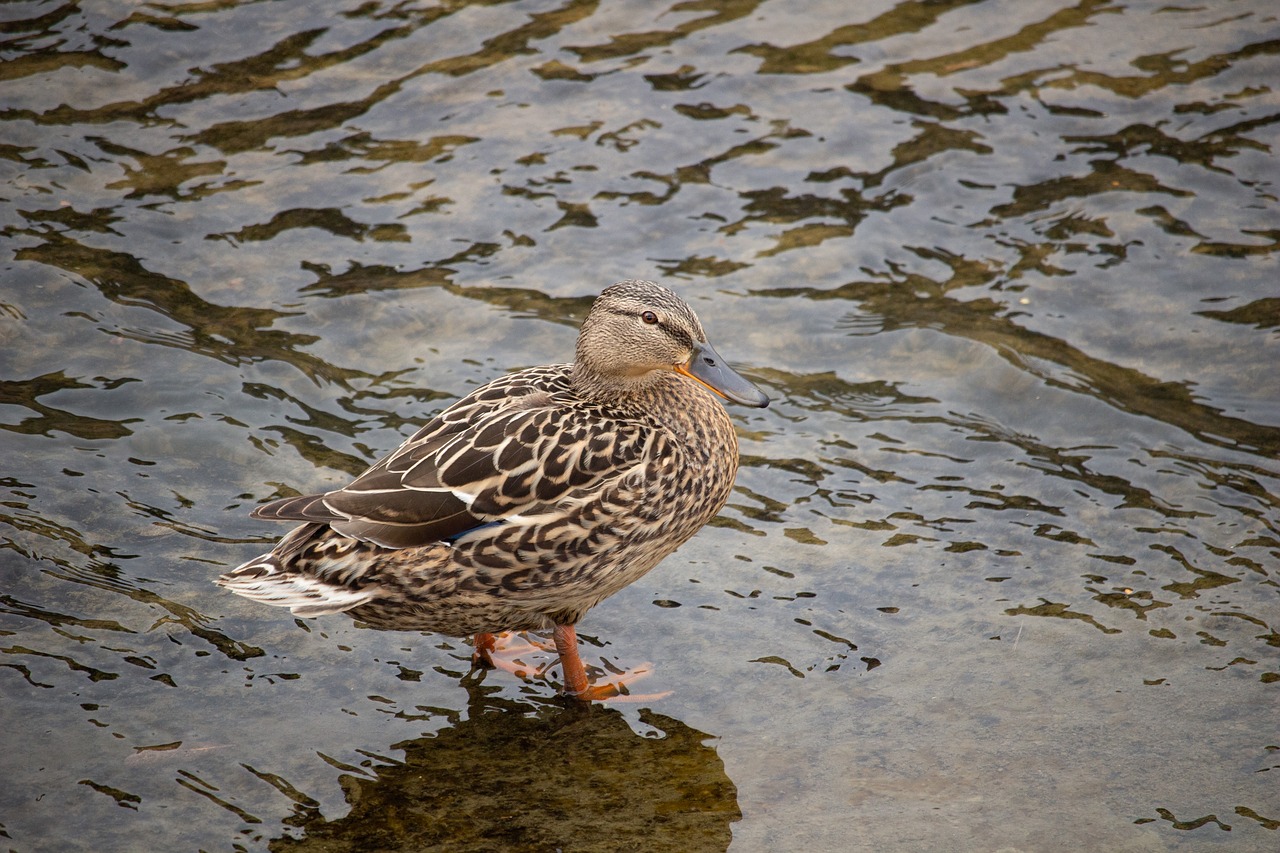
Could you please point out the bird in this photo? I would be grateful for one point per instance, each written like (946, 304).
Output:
(530, 500)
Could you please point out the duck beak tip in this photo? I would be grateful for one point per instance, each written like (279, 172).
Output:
(707, 367)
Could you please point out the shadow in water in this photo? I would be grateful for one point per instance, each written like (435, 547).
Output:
(515, 776)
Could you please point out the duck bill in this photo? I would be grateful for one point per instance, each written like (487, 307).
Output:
(706, 366)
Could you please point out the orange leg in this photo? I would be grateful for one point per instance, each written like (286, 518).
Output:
(575, 674)
(483, 655)
(489, 653)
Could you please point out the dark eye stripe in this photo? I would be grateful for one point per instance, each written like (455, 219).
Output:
(681, 336)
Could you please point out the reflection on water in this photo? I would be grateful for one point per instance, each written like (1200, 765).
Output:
(508, 777)
(1007, 537)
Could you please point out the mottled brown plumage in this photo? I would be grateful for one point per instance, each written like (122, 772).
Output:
(533, 498)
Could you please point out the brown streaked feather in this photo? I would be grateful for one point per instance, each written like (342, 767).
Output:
(511, 455)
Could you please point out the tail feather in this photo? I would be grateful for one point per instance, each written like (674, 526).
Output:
(264, 580)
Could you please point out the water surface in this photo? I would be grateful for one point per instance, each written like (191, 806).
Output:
(1000, 571)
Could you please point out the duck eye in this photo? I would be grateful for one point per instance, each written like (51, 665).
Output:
(650, 318)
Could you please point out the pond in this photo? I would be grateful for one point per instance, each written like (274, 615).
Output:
(1000, 570)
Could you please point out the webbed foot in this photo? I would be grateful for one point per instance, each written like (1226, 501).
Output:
(577, 685)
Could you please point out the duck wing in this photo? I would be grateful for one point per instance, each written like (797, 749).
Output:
(497, 454)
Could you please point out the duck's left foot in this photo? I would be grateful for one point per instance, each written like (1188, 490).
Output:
(618, 689)
(525, 658)
(576, 684)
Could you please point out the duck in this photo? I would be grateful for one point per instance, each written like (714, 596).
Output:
(530, 500)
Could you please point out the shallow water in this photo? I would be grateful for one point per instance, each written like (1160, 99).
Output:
(1000, 572)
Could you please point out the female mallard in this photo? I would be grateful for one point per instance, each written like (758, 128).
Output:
(530, 500)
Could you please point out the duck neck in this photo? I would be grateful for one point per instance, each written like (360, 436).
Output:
(626, 392)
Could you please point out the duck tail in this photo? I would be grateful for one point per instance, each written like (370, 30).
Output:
(264, 579)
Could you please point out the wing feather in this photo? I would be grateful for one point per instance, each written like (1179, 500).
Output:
(300, 508)
(518, 445)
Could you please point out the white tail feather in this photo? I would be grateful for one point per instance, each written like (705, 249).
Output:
(304, 595)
